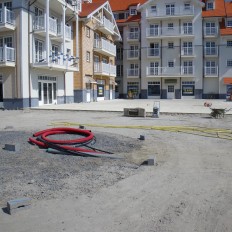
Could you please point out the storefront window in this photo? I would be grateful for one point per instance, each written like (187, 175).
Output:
(187, 90)
(100, 90)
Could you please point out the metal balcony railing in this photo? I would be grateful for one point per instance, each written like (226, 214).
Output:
(153, 71)
(211, 51)
(153, 52)
(187, 51)
(105, 69)
(133, 54)
(187, 70)
(133, 72)
(211, 71)
(39, 24)
(7, 16)
(210, 31)
(105, 45)
(133, 35)
(7, 54)
(107, 24)
(170, 71)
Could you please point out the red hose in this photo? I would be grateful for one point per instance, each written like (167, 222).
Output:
(88, 136)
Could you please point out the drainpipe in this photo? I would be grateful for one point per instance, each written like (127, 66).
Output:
(47, 31)
(63, 30)
(77, 36)
(29, 55)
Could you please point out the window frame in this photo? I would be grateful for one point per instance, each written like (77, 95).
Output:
(88, 56)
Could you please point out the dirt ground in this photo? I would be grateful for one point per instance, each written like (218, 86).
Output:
(189, 189)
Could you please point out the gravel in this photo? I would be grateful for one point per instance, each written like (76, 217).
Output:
(32, 172)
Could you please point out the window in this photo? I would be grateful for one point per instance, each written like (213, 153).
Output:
(188, 67)
(134, 33)
(133, 11)
(87, 32)
(210, 28)
(170, 26)
(154, 29)
(229, 23)
(38, 11)
(116, 16)
(154, 68)
(186, 6)
(8, 5)
(170, 9)
(6, 41)
(38, 51)
(209, 6)
(210, 48)
(119, 70)
(153, 9)
(187, 48)
(88, 56)
(229, 43)
(229, 63)
(171, 64)
(119, 54)
(210, 67)
(188, 28)
(170, 45)
(121, 16)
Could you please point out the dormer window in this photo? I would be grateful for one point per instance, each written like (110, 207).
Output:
(229, 23)
(210, 5)
(186, 6)
(133, 11)
(153, 9)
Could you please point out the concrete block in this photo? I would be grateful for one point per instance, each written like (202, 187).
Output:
(18, 204)
(142, 137)
(12, 147)
(134, 112)
(151, 161)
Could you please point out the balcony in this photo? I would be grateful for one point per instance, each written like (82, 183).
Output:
(60, 34)
(133, 54)
(170, 71)
(162, 32)
(104, 69)
(106, 26)
(133, 73)
(211, 51)
(40, 26)
(211, 71)
(133, 37)
(7, 57)
(59, 62)
(210, 31)
(153, 71)
(153, 52)
(7, 20)
(104, 47)
(180, 12)
(187, 52)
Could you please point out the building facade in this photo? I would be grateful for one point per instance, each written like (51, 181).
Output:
(37, 56)
(173, 49)
(97, 33)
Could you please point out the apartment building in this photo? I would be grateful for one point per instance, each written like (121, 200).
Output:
(173, 49)
(37, 56)
(97, 33)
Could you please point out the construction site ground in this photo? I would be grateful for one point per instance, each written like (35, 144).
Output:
(188, 189)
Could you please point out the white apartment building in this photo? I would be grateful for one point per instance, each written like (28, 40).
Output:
(174, 49)
(37, 59)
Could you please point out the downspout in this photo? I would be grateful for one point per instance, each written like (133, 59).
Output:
(47, 31)
(64, 50)
(140, 70)
(29, 55)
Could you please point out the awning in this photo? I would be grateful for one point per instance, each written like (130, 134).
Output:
(90, 80)
(113, 82)
(227, 80)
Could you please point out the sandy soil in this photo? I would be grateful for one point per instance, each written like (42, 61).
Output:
(188, 190)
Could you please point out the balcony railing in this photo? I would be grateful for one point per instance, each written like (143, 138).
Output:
(104, 69)
(107, 24)
(105, 46)
(169, 31)
(175, 11)
(211, 51)
(68, 32)
(211, 71)
(133, 72)
(7, 16)
(59, 60)
(153, 71)
(153, 52)
(133, 54)
(187, 51)
(39, 24)
(170, 71)
(7, 54)
(210, 31)
(133, 35)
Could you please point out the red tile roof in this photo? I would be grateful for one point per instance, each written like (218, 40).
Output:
(133, 18)
(121, 5)
(229, 9)
(88, 8)
(219, 10)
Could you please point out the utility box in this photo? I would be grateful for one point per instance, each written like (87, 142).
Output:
(134, 112)
(156, 109)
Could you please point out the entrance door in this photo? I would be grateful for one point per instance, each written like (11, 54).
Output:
(171, 92)
(111, 92)
(47, 93)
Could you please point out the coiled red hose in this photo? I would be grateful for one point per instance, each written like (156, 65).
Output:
(43, 141)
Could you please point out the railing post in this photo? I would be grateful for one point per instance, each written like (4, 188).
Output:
(4, 14)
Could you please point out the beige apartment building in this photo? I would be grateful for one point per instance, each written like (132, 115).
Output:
(98, 31)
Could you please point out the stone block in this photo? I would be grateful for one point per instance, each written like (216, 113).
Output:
(18, 204)
(151, 161)
(12, 147)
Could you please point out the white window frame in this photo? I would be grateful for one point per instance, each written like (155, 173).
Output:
(229, 43)
(210, 5)
(88, 56)
(170, 45)
(229, 63)
(171, 64)
(229, 22)
(39, 52)
(133, 11)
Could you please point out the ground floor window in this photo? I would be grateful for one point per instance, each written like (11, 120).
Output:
(47, 88)
(188, 88)
(133, 89)
(154, 88)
